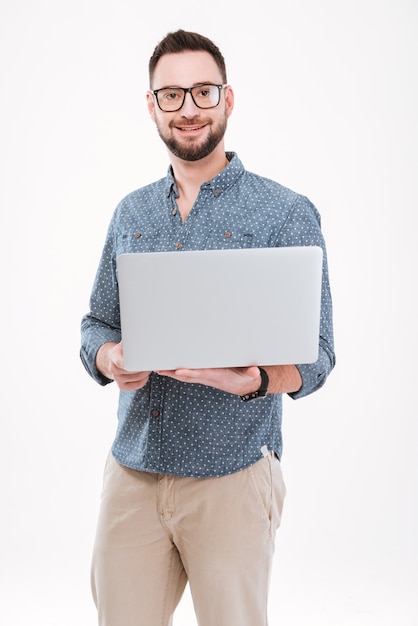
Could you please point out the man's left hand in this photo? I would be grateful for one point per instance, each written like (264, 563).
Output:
(236, 380)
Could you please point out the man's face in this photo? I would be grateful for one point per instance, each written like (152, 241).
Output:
(191, 133)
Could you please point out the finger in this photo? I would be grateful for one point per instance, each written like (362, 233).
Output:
(180, 373)
(129, 383)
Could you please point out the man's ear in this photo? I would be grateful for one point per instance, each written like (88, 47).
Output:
(229, 100)
(151, 105)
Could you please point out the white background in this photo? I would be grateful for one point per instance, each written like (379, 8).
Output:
(326, 103)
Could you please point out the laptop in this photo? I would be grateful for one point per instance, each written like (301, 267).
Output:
(220, 308)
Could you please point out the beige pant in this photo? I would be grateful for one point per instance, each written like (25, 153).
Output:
(156, 532)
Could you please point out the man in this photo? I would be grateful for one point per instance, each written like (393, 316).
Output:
(193, 489)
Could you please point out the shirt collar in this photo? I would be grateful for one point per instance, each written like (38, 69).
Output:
(218, 184)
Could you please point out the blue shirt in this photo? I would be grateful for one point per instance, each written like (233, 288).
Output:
(189, 429)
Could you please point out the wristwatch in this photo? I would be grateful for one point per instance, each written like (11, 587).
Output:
(261, 391)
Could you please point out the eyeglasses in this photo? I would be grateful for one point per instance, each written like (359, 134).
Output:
(205, 96)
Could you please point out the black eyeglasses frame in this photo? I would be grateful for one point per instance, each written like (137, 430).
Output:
(187, 90)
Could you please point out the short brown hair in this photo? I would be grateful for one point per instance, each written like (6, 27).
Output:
(182, 40)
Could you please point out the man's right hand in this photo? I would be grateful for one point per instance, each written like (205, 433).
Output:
(109, 361)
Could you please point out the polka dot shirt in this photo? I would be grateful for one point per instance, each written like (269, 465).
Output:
(179, 428)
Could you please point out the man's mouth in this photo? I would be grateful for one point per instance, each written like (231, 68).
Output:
(188, 129)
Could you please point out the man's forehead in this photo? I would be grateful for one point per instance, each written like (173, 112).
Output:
(185, 69)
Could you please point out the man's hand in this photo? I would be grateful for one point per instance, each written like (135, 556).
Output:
(241, 380)
(109, 361)
(237, 380)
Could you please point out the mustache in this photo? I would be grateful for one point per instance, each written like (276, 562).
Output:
(186, 123)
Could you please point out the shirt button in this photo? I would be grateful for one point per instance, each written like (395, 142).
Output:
(228, 234)
(155, 412)
(137, 235)
(217, 191)
(178, 245)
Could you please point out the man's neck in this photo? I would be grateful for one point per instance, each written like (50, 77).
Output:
(190, 175)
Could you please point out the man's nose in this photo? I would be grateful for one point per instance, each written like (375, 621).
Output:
(189, 107)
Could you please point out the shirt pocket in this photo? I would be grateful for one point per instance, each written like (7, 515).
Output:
(137, 240)
(229, 238)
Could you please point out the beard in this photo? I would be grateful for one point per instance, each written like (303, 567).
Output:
(191, 151)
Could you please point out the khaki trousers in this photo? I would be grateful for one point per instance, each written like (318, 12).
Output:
(156, 533)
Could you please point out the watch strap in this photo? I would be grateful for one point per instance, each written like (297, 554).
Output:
(261, 391)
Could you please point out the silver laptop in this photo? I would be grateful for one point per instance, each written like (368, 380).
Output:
(220, 308)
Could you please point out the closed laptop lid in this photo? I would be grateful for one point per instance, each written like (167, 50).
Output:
(220, 308)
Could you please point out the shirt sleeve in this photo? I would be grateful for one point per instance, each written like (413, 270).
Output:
(102, 323)
(303, 228)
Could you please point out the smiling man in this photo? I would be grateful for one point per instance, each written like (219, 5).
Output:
(193, 489)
